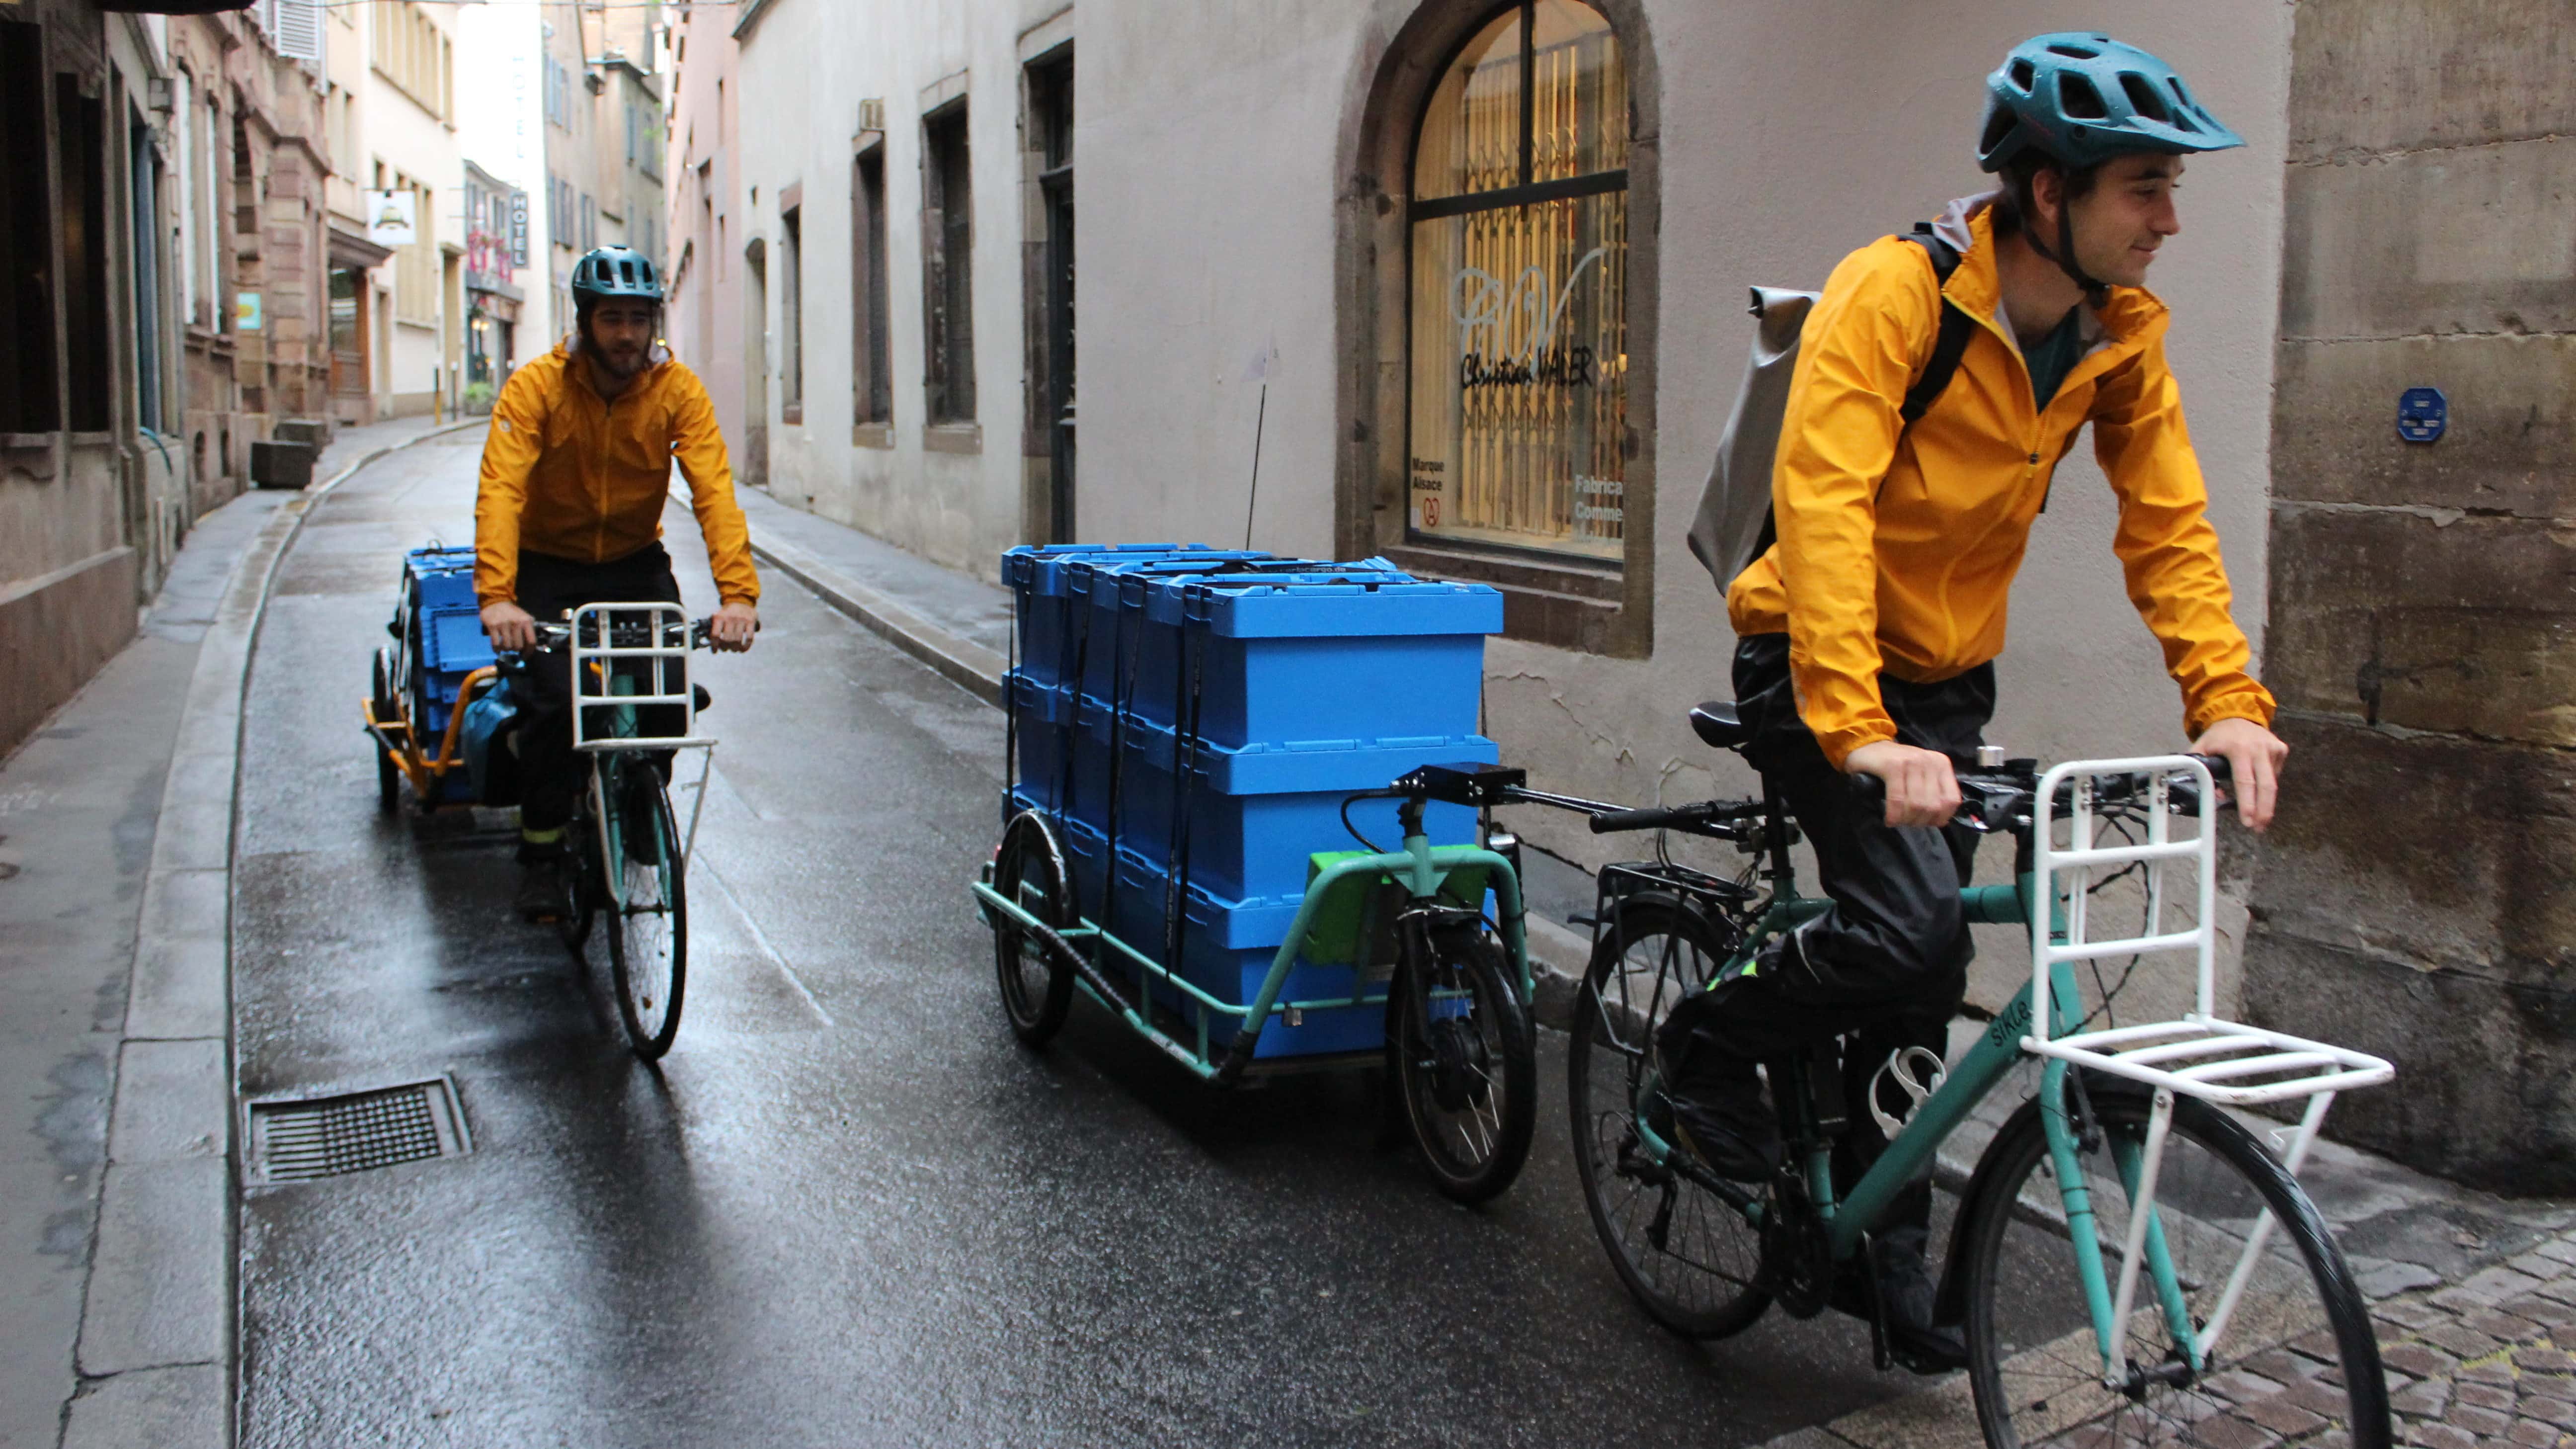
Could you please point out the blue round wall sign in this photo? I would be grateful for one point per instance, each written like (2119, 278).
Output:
(2422, 414)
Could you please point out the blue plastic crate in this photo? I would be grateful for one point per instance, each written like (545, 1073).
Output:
(1038, 577)
(1041, 721)
(1351, 655)
(1100, 634)
(1257, 812)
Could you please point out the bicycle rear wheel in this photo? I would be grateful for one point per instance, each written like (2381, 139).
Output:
(2033, 1358)
(1688, 1256)
(648, 937)
(1468, 1074)
(1028, 869)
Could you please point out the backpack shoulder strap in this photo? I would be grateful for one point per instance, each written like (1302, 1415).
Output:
(1956, 327)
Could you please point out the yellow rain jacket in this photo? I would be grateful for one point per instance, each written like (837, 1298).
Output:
(1897, 546)
(569, 474)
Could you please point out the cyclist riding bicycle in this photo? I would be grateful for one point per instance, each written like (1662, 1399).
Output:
(568, 512)
(1868, 631)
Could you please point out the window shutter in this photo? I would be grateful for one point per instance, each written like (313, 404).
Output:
(297, 29)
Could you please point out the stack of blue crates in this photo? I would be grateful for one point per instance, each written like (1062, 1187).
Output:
(1192, 720)
(443, 633)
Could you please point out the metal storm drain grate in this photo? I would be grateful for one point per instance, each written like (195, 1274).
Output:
(298, 1141)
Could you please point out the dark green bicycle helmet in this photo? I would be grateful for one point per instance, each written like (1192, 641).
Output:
(615, 271)
(2081, 99)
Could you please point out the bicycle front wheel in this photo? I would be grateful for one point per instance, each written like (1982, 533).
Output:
(2034, 1360)
(1687, 1256)
(648, 915)
(1467, 1068)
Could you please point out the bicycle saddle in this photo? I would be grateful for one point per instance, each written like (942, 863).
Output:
(1717, 724)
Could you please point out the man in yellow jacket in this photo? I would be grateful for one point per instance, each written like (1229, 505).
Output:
(568, 512)
(1868, 632)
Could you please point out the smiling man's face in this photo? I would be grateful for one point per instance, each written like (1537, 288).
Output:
(2127, 215)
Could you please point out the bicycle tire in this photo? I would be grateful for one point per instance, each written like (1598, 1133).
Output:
(581, 875)
(1707, 1289)
(1030, 870)
(381, 696)
(1471, 1131)
(2034, 1365)
(648, 943)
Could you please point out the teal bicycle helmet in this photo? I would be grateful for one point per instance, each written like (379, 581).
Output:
(615, 271)
(2082, 99)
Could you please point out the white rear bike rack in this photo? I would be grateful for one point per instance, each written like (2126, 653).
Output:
(595, 675)
(2202, 1055)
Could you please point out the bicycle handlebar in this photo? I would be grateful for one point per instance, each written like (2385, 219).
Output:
(1986, 795)
(620, 636)
(1703, 817)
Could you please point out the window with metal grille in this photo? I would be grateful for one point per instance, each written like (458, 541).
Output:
(947, 219)
(1519, 219)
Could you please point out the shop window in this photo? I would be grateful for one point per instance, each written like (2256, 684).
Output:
(871, 387)
(947, 217)
(1518, 384)
(30, 395)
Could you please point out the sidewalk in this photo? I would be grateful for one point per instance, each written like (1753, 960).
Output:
(116, 1184)
(957, 624)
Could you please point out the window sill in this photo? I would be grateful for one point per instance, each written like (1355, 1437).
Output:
(953, 438)
(1569, 605)
(872, 435)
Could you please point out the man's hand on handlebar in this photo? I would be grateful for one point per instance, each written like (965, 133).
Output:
(732, 626)
(2254, 755)
(510, 627)
(1922, 788)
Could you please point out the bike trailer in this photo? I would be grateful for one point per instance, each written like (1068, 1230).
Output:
(439, 651)
(1193, 739)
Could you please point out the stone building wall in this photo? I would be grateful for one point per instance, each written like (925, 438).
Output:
(2418, 897)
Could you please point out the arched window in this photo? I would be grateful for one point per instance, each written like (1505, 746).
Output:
(1517, 389)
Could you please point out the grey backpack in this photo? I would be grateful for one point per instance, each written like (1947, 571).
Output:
(1735, 526)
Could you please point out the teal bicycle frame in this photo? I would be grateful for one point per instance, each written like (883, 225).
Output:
(1419, 868)
(1997, 1052)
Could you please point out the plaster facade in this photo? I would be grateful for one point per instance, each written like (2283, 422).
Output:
(401, 60)
(158, 169)
(704, 320)
(1235, 165)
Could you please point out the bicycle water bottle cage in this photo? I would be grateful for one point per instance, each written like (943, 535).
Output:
(1918, 1072)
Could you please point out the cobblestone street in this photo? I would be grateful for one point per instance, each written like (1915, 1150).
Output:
(2476, 1363)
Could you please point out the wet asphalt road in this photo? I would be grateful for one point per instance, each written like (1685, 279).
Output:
(848, 1209)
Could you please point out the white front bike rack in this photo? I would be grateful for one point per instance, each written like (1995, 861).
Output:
(2202, 1055)
(595, 676)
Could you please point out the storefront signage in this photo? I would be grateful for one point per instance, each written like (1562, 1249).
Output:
(248, 315)
(518, 228)
(392, 217)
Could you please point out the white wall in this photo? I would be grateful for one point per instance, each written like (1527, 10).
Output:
(501, 127)
(1791, 133)
(406, 137)
(802, 72)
